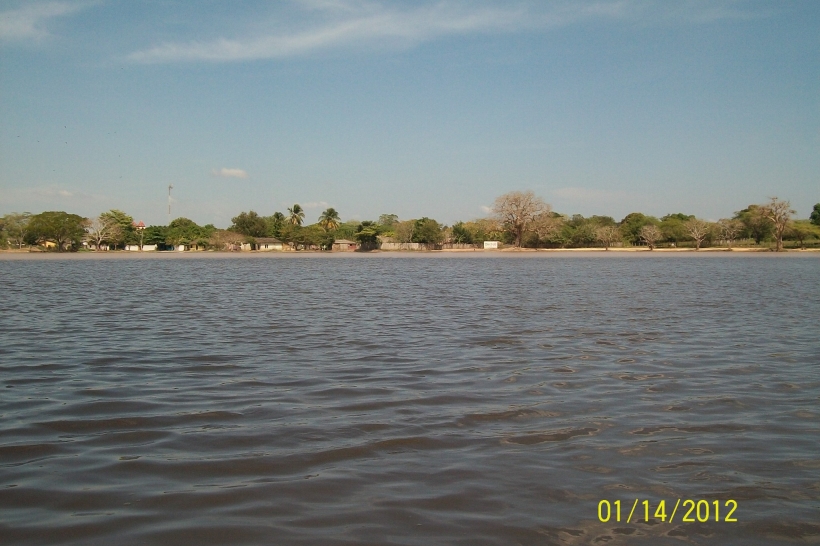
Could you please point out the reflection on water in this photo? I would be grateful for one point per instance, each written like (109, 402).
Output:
(407, 400)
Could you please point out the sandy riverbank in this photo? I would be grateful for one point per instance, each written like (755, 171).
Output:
(8, 255)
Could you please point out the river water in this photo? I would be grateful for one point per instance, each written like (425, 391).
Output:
(414, 400)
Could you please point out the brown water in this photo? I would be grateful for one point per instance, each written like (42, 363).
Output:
(407, 400)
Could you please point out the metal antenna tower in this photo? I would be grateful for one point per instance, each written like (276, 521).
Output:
(170, 187)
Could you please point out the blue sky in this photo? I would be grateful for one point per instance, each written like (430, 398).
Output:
(425, 108)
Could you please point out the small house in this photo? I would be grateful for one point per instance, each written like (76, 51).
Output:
(267, 244)
(345, 245)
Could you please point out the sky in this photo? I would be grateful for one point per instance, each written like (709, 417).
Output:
(422, 108)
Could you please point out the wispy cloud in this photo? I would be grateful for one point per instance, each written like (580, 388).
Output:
(316, 205)
(55, 192)
(229, 173)
(29, 21)
(336, 24)
(589, 195)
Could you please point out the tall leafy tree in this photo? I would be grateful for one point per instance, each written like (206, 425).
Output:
(275, 224)
(155, 235)
(184, 231)
(329, 219)
(672, 227)
(65, 230)
(800, 230)
(755, 224)
(296, 215)
(461, 235)
(387, 220)
(815, 215)
(250, 224)
(631, 226)
(367, 233)
(428, 232)
(126, 232)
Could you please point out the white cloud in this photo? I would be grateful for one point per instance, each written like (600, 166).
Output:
(229, 173)
(316, 205)
(51, 191)
(588, 195)
(335, 24)
(29, 21)
(485, 209)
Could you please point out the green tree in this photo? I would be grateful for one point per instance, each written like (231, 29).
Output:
(672, 227)
(461, 235)
(367, 234)
(428, 232)
(347, 230)
(126, 232)
(387, 220)
(275, 223)
(329, 219)
(65, 230)
(601, 221)
(296, 215)
(184, 231)
(14, 227)
(801, 230)
(756, 226)
(155, 235)
(631, 226)
(250, 224)
(584, 233)
(815, 215)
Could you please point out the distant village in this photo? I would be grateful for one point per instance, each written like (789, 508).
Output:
(518, 220)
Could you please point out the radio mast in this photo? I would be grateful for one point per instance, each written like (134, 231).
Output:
(170, 187)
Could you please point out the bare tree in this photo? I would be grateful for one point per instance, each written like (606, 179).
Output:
(729, 230)
(608, 235)
(404, 230)
(15, 226)
(223, 239)
(516, 210)
(651, 234)
(780, 214)
(697, 229)
(103, 228)
(545, 225)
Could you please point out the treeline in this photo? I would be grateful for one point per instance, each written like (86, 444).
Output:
(520, 219)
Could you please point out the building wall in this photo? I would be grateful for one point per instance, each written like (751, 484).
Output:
(270, 246)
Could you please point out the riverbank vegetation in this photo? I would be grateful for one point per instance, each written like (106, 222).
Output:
(517, 219)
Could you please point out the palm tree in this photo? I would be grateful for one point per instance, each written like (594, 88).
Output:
(297, 214)
(329, 219)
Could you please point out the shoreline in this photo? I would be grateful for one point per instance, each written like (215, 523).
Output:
(26, 255)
